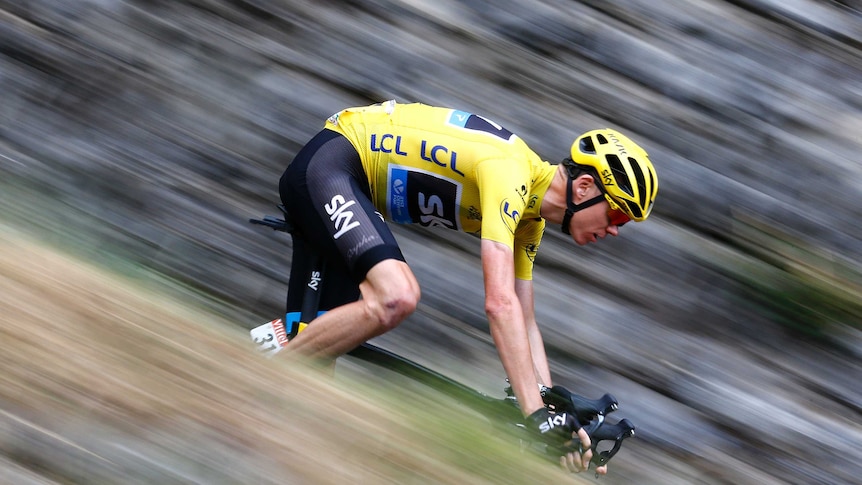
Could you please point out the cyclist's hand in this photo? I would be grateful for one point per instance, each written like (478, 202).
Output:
(557, 432)
(577, 462)
(553, 429)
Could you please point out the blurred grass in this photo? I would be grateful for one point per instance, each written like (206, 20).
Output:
(115, 377)
(804, 288)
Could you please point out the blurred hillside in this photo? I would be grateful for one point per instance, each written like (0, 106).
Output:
(727, 325)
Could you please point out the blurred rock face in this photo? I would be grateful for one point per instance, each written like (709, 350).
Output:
(155, 129)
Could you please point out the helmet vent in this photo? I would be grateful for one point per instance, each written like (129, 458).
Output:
(639, 178)
(634, 209)
(586, 145)
(649, 197)
(620, 176)
(602, 139)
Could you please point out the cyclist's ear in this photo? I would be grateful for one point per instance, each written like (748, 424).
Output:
(582, 185)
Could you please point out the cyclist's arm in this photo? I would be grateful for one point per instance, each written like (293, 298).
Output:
(524, 290)
(506, 319)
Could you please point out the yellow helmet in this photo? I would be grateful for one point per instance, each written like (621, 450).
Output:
(625, 174)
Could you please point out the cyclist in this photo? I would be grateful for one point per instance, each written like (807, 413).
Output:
(413, 163)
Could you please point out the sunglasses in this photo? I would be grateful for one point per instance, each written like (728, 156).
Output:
(615, 214)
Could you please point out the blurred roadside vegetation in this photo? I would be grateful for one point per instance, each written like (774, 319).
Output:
(810, 291)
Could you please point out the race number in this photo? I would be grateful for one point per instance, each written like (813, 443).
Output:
(270, 337)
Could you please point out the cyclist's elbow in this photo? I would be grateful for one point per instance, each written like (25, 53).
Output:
(499, 307)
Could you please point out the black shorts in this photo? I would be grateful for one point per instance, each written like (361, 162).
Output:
(326, 193)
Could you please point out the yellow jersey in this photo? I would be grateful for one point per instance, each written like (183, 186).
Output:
(444, 167)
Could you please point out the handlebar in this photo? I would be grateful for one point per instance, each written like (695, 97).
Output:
(276, 223)
(591, 414)
(605, 431)
(560, 399)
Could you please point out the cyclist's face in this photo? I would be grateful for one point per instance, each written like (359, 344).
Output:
(593, 223)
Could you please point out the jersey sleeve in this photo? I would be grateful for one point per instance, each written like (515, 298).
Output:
(503, 196)
(502, 190)
(528, 236)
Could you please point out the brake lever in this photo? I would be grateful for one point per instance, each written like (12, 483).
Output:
(599, 431)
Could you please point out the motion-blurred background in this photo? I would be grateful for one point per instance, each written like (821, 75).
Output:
(728, 324)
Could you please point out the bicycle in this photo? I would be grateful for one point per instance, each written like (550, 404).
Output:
(606, 438)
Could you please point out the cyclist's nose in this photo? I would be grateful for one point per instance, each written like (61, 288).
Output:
(613, 230)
